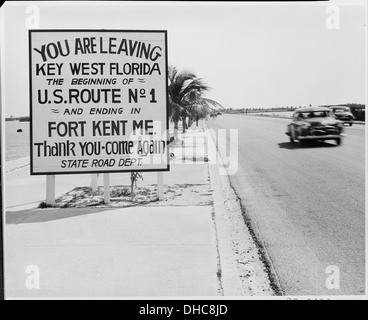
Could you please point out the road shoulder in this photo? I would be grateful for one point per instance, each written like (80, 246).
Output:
(243, 271)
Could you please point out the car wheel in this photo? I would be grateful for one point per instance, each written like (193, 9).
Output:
(338, 141)
(350, 124)
(301, 142)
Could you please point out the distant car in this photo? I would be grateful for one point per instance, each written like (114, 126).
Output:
(314, 124)
(343, 113)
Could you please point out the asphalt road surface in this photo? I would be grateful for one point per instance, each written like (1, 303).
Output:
(306, 204)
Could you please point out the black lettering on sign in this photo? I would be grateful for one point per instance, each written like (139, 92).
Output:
(109, 128)
(69, 129)
(86, 68)
(70, 164)
(48, 69)
(85, 45)
(56, 149)
(94, 96)
(53, 50)
(143, 124)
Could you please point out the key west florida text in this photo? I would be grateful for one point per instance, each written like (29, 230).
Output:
(98, 101)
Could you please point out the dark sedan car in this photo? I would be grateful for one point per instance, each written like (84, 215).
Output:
(344, 114)
(314, 124)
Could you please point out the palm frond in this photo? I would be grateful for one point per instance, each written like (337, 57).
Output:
(212, 104)
(185, 96)
(172, 73)
(179, 83)
(195, 84)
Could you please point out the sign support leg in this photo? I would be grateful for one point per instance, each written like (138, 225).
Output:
(160, 185)
(106, 188)
(50, 189)
(94, 186)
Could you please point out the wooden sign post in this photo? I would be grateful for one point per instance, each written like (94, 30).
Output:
(106, 188)
(50, 189)
(160, 185)
(94, 182)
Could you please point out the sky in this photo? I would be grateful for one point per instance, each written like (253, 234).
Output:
(251, 55)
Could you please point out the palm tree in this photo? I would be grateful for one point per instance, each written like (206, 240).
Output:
(185, 98)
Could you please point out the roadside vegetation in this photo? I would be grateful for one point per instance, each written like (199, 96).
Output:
(186, 101)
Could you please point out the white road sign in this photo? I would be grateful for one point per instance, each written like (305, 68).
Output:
(98, 101)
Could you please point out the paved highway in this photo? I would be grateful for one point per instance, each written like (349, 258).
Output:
(306, 204)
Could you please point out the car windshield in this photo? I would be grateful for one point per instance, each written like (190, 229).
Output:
(342, 110)
(314, 114)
